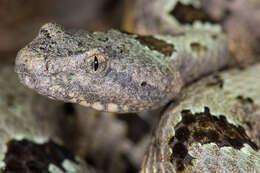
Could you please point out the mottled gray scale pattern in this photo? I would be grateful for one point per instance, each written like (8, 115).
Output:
(137, 73)
(204, 128)
(220, 122)
(134, 73)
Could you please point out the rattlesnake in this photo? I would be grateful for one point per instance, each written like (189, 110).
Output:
(122, 72)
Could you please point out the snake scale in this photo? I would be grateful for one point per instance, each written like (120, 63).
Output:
(211, 126)
(205, 130)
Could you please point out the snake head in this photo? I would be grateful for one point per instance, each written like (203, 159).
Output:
(109, 71)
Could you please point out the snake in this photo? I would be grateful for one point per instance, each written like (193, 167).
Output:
(118, 72)
(122, 72)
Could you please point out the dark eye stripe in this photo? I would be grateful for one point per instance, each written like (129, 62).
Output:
(95, 63)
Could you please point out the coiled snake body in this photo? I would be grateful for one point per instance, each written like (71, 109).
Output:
(121, 72)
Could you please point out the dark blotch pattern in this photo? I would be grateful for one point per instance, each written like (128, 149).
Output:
(217, 81)
(143, 84)
(198, 48)
(27, 157)
(156, 44)
(45, 33)
(187, 14)
(245, 100)
(204, 128)
(214, 36)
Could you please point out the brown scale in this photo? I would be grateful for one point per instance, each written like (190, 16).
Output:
(156, 44)
(187, 14)
(196, 47)
(204, 128)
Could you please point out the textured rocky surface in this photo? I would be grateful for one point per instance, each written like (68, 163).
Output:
(212, 128)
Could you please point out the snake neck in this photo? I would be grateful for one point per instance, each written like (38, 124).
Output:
(196, 53)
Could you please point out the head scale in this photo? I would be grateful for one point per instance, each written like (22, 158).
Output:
(109, 71)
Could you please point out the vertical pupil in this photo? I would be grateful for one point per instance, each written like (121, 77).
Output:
(95, 63)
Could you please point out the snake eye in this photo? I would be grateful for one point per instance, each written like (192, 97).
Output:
(95, 63)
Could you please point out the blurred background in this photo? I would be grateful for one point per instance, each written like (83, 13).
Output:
(20, 20)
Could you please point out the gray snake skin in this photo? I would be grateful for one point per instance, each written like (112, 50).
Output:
(212, 125)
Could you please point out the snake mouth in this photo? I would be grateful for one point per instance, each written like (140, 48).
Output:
(22, 68)
(108, 107)
(123, 108)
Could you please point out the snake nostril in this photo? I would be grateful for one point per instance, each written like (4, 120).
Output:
(143, 84)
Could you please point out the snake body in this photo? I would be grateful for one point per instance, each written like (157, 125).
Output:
(212, 128)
